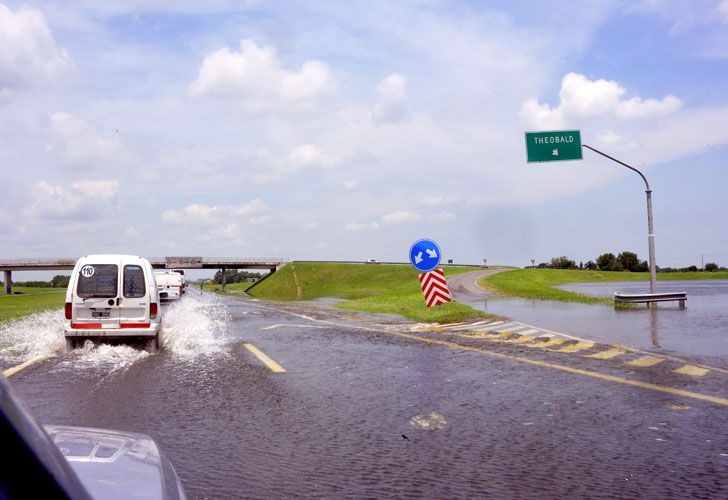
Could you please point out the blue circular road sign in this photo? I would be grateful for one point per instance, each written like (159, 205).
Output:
(425, 255)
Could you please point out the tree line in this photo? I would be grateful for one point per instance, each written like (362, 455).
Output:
(235, 276)
(624, 261)
(58, 281)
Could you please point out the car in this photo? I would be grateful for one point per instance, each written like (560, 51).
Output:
(170, 285)
(113, 298)
(78, 462)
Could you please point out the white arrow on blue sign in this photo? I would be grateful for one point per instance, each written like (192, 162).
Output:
(425, 255)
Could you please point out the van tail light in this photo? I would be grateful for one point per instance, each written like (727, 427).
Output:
(68, 310)
(153, 310)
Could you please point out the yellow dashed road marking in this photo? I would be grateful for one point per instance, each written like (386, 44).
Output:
(12, 371)
(608, 354)
(578, 371)
(554, 366)
(272, 365)
(522, 339)
(693, 371)
(579, 346)
(678, 407)
(549, 343)
(645, 361)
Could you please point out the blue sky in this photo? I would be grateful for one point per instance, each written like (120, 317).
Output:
(348, 130)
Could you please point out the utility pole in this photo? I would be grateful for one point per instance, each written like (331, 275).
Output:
(650, 229)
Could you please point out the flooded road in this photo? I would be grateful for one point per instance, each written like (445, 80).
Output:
(368, 408)
(701, 329)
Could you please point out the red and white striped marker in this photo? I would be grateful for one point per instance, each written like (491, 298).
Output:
(434, 287)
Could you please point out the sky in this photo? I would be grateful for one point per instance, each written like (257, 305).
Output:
(349, 130)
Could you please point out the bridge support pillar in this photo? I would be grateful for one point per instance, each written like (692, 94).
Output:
(224, 279)
(8, 282)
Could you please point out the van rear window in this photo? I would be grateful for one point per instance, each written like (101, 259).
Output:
(98, 280)
(134, 286)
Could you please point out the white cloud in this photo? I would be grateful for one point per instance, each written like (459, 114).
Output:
(400, 217)
(82, 143)
(5, 218)
(583, 98)
(723, 11)
(442, 216)
(360, 227)
(82, 200)
(309, 156)
(28, 52)
(132, 232)
(392, 105)
(255, 77)
(199, 215)
(435, 200)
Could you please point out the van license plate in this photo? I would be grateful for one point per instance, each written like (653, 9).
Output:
(100, 314)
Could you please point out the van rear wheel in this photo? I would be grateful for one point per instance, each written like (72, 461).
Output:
(152, 345)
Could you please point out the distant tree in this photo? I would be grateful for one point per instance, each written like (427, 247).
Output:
(605, 261)
(711, 267)
(34, 284)
(542, 265)
(591, 265)
(60, 281)
(644, 267)
(581, 265)
(563, 262)
(615, 266)
(235, 276)
(691, 269)
(629, 261)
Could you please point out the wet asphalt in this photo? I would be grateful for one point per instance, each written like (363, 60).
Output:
(367, 407)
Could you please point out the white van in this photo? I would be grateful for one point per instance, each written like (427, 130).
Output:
(184, 280)
(170, 285)
(112, 297)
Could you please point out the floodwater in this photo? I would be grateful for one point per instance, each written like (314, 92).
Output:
(701, 329)
(361, 414)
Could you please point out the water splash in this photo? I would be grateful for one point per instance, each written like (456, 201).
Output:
(196, 326)
(105, 357)
(39, 334)
(191, 327)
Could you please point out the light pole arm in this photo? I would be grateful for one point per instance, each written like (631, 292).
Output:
(650, 229)
(647, 184)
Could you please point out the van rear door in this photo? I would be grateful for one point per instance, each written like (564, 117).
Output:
(134, 300)
(96, 295)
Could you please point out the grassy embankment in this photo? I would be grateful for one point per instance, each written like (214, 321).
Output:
(377, 288)
(16, 306)
(539, 283)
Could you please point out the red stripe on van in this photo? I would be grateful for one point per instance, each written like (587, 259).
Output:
(135, 325)
(85, 326)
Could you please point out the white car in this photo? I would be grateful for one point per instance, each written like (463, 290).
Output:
(112, 297)
(170, 284)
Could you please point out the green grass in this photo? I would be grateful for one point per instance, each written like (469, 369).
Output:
(36, 289)
(377, 288)
(538, 283)
(13, 307)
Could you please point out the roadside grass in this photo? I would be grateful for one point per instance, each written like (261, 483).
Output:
(35, 289)
(14, 307)
(539, 283)
(376, 288)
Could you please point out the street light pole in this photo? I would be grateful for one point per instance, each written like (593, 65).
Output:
(650, 229)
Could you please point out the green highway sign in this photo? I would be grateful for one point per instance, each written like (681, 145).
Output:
(559, 145)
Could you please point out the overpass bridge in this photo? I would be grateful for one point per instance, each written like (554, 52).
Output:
(67, 263)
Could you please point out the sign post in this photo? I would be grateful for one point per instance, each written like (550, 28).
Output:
(425, 256)
(561, 145)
